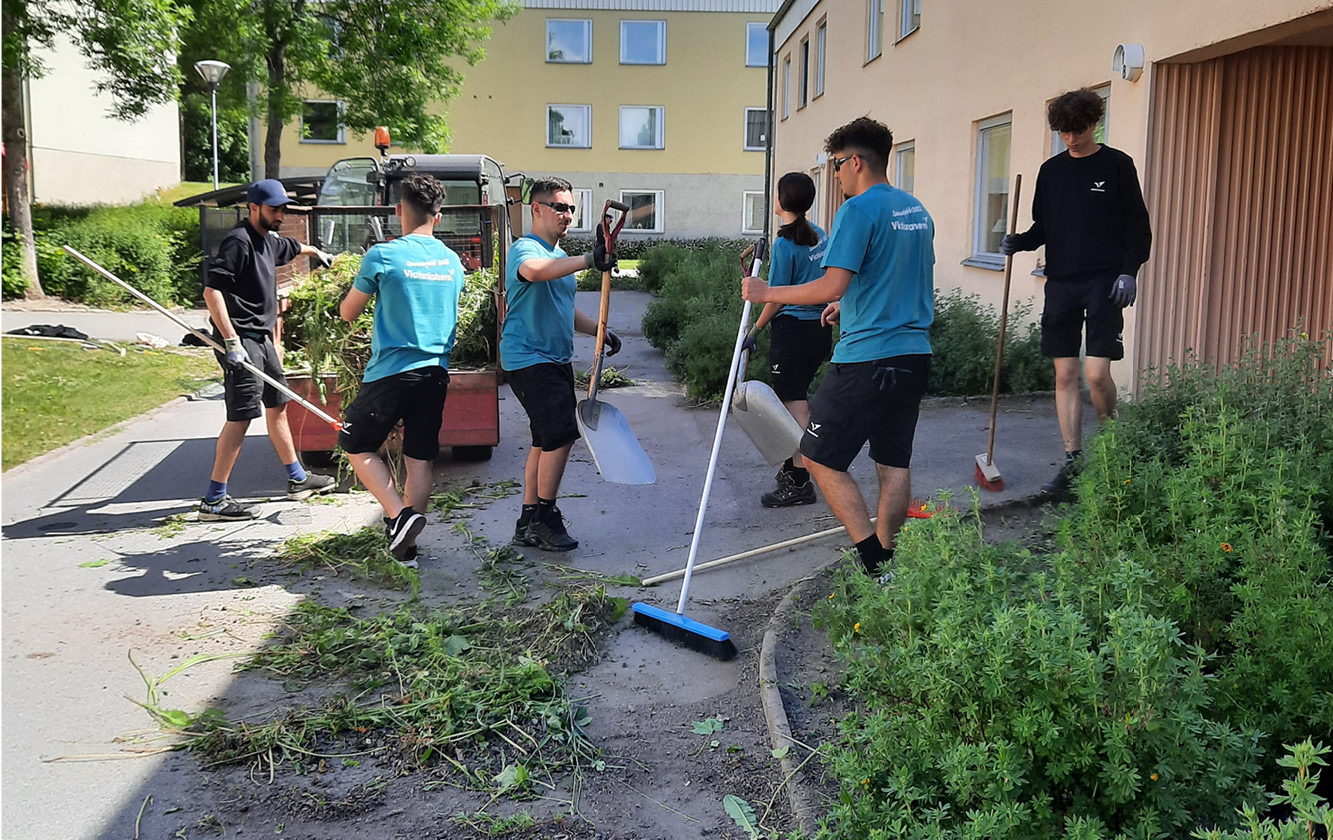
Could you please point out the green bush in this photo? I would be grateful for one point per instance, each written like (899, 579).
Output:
(963, 339)
(11, 261)
(1309, 810)
(629, 248)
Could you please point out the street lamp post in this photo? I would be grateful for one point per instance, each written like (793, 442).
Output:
(213, 71)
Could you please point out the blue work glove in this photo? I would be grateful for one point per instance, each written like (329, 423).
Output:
(612, 343)
(1009, 245)
(235, 355)
(1124, 290)
(751, 341)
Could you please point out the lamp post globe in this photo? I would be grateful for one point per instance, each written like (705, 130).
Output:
(213, 71)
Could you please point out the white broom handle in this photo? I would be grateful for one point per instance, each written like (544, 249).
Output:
(717, 447)
(309, 406)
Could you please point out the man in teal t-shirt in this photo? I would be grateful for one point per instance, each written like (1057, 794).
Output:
(416, 281)
(879, 273)
(536, 346)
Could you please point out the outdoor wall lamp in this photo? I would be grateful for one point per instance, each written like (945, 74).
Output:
(1128, 61)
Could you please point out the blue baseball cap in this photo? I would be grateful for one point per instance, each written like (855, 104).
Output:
(268, 191)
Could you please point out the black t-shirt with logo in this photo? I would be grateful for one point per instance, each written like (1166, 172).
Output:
(1090, 215)
(246, 272)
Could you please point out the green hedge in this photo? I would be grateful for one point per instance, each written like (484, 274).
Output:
(1139, 677)
(628, 248)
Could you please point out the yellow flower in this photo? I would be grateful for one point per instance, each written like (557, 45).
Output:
(865, 782)
(1226, 547)
(1153, 777)
(831, 594)
(856, 628)
(1126, 481)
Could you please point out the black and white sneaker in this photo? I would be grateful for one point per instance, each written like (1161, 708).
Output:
(312, 485)
(409, 558)
(788, 493)
(225, 509)
(550, 535)
(402, 531)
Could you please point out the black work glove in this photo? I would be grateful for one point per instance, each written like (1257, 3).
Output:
(612, 343)
(602, 260)
(1009, 245)
(1124, 290)
(751, 341)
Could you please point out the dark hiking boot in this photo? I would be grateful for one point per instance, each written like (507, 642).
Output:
(313, 484)
(788, 493)
(521, 536)
(225, 509)
(550, 534)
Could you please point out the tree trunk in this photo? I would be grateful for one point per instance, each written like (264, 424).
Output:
(16, 176)
(277, 89)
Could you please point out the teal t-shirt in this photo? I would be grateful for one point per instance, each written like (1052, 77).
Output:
(796, 264)
(539, 321)
(416, 281)
(886, 239)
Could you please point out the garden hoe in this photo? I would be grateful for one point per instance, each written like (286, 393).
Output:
(758, 411)
(677, 626)
(988, 475)
(616, 451)
(309, 406)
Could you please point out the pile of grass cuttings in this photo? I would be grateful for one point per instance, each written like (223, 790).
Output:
(475, 496)
(612, 377)
(360, 554)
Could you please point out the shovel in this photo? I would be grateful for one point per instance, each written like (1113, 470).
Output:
(757, 410)
(616, 451)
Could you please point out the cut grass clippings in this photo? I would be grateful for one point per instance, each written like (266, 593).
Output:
(612, 377)
(361, 554)
(54, 393)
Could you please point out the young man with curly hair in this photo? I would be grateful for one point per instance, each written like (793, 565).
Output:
(536, 349)
(416, 281)
(879, 271)
(1088, 211)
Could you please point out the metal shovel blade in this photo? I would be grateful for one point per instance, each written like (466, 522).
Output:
(616, 451)
(766, 421)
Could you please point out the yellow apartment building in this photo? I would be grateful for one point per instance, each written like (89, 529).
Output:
(656, 103)
(1226, 107)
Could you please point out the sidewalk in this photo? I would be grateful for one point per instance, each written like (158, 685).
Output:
(104, 324)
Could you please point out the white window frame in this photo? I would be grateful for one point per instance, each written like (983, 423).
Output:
(874, 29)
(659, 139)
(907, 10)
(342, 129)
(821, 49)
(745, 130)
(898, 153)
(750, 59)
(587, 28)
(786, 86)
(816, 175)
(587, 109)
(1104, 91)
(583, 218)
(661, 41)
(984, 127)
(747, 197)
(803, 86)
(658, 202)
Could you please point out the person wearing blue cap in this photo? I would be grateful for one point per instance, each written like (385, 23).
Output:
(241, 292)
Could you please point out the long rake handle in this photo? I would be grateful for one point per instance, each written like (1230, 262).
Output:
(1004, 321)
(609, 236)
(309, 406)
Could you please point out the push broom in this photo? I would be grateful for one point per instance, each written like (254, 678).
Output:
(677, 626)
(988, 475)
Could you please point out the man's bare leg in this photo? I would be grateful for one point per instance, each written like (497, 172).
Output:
(1069, 402)
(895, 495)
(844, 497)
(372, 472)
(800, 411)
(280, 433)
(1102, 387)
(228, 449)
(551, 471)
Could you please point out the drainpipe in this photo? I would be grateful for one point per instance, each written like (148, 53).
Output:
(768, 131)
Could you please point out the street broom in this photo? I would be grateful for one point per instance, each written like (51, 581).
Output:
(988, 475)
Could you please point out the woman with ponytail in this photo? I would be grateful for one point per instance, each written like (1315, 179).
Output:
(800, 343)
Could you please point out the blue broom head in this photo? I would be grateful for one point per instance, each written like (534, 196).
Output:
(685, 631)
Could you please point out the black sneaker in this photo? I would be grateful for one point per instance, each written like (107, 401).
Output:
(788, 493)
(312, 485)
(225, 509)
(409, 558)
(1059, 485)
(402, 531)
(521, 535)
(550, 535)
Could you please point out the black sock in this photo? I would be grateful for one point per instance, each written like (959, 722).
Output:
(872, 553)
(525, 515)
(799, 475)
(788, 466)
(1071, 457)
(546, 509)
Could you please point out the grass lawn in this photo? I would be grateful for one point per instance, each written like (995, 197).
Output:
(55, 392)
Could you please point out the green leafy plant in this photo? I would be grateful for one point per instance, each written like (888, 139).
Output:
(1309, 810)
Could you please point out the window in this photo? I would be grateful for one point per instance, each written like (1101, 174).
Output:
(813, 213)
(805, 73)
(586, 214)
(321, 122)
(874, 29)
(821, 43)
(992, 201)
(568, 41)
(641, 126)
(756, 45)
(756, 129)
(786, 87)
(753, 213)
(1103, 125)
(645, 210)
(904, 167)
(643, 42)
(910, 19)
(569, 126)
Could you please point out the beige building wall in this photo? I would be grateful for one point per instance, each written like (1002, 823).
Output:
(79, 154)
(971, 61)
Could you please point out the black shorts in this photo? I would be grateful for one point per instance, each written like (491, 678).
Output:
(876, 401)
(245, 393)
(1072, 302)
(797, 348)
(414, 396)
(546, 392)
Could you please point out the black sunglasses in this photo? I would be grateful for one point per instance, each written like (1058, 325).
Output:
(560, 207)
(839, 161)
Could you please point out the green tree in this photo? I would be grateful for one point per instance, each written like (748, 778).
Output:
(389, 62)
(129, 43)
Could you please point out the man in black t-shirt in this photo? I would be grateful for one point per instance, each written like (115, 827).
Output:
(1088, 211)
(241, 291)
